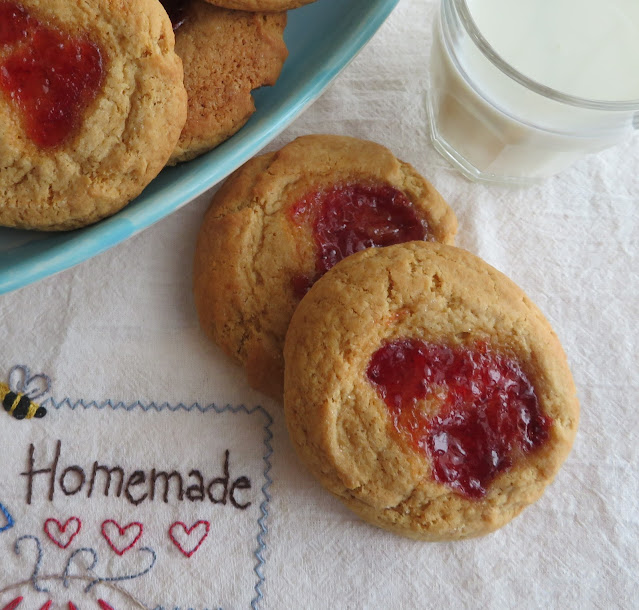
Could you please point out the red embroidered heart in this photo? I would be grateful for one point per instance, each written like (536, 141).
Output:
(180, 529)
(487, 413)
(62, 535)
(121, 540)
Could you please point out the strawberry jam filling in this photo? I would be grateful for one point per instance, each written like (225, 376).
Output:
(14, 23)
(471, 410)
(350, 217)
(49, 76)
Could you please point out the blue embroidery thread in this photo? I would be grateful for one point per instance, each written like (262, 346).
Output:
(7, 515)
(36, 568)
(101, 579)
(65, 574)
(264, 506)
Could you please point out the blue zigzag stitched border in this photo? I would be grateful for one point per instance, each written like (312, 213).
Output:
(261, 522)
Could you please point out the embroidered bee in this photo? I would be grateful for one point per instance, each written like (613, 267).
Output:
(17, 397)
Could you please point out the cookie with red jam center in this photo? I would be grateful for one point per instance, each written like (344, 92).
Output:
(50, 75)
(91, 106)
(426, 391)
(283, 220)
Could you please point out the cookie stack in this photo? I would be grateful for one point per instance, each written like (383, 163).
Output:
(420, 385)
(96, 97)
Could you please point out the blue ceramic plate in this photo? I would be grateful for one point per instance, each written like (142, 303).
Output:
(322, 39)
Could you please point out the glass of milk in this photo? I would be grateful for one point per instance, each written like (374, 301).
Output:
(520, 89)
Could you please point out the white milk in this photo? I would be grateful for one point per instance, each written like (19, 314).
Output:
(497, 129)
(585, 48)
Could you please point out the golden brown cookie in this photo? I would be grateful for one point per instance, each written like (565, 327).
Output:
(226, 54)
(427, 392)
(282, 220)
(91, 106)
(260, 5)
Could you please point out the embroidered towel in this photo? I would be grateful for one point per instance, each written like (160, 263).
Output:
(133, 505)
(147, 393)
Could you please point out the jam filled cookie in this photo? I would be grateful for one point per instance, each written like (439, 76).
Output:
(91, 106)
(226, 54)
(260, 5)
(283, 220)
(427, 392)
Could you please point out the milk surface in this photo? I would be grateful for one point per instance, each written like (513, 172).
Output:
(585, 48)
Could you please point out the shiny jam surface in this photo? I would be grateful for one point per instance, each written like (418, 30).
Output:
(50, 76)
(350, 217)
(471, 410)
(14, 23)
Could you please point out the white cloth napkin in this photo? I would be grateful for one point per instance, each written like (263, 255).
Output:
(134, 381)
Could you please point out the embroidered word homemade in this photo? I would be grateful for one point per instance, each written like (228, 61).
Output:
(120, 506)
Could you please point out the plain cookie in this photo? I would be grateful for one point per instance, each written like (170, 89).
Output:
(427, 392)
(260, 5)
(226, 55)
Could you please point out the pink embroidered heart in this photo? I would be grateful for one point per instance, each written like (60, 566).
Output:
(62, 535)
(121, 539)
(190, 539)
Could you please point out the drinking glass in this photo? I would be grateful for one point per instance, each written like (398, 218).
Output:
(495, 124)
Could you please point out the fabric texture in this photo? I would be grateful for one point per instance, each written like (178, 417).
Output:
(118, 337)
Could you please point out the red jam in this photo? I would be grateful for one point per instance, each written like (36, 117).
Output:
(14, 23)
(350, 217)
(471, 410)
(50, 76)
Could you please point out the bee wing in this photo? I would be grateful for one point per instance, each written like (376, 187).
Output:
(36, 386)
(18, 376)
(21, 382)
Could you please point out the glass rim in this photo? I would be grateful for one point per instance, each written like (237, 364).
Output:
(461, 7)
